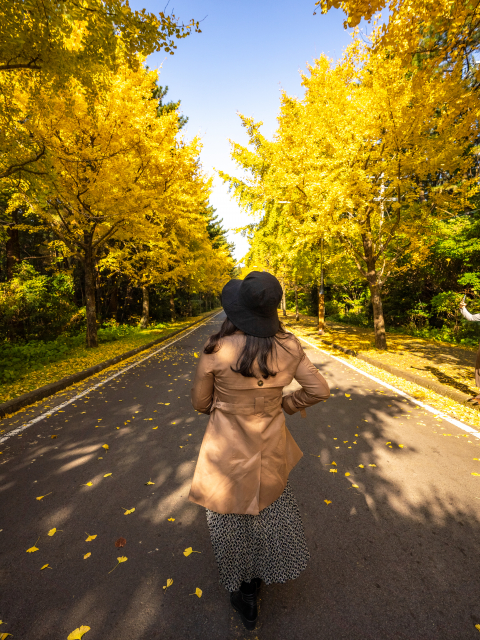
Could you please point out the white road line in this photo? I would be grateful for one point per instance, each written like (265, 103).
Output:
(444, 416)
(50, 412)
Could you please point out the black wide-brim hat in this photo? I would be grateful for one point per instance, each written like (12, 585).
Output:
(251, 304)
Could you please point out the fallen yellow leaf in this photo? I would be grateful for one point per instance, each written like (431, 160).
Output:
(328, 501)
(347, 395)
(41, 497)
(149, 482)
(334, 463)
(198, 592)
(167, 403)
(45, 566)
(52, 532)
(105, 446)
(119, 561)
(477, 626)
(372, 465)
(87, 555)
(154, 427)
(127, 511)
(78, 633)
(361, 466)
(107, 474)
(333, 471)
(34, 548)
(90, 538)
(401, 446)
(195, 354)
(171, 519)
(87, 484)
(388, 443)
(475, 474)
(189, 550)
(53, 437)
(347, 474)
(169, 583)
(3, 636)
(355, 486)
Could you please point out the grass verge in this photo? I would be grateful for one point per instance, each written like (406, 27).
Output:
(79, 358)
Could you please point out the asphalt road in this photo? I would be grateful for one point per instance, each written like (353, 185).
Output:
(394, 557)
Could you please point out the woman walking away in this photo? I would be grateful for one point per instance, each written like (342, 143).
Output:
(247, 452)
(473, 318)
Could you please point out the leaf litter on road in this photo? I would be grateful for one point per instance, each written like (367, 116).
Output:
(119, 561)
(78, 634)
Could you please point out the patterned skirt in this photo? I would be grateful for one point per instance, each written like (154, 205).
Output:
(270, 546)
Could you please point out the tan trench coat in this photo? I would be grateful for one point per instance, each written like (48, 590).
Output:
(247, 451)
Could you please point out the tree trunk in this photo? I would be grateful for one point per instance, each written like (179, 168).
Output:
(284, 302)
(13, 248)
(145, 308)
(375, 292)
(321, 305)
(172, 307)
(89, 265)
(297, 317)
(378, 319)
(114, 302)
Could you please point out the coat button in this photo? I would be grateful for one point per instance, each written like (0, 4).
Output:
(260, 383)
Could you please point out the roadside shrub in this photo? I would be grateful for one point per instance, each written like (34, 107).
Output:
(34, 306)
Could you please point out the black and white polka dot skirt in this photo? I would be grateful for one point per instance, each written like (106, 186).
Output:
(270, 546)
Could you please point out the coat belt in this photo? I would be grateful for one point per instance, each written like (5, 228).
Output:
(259, 406)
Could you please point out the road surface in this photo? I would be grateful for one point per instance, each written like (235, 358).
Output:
(394, 551)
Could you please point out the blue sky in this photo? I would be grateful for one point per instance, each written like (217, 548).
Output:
(246, 54)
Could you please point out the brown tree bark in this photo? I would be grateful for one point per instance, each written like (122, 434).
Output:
(375, 286)
(284, 302)
(172, 307)
(89, 266)
(297, 317)
(321, 305)
(114, 302)
(145, 308)
(13, 247)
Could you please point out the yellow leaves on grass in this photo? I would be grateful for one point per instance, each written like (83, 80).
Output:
(128, 511)
(149, 482)
(89, 537)
(87, 555)
(78, 633)
(42, 497)
(169, 583)
(119, 561)
(198, 592)
(189, 551)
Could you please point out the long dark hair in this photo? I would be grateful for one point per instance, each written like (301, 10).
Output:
(259, 350)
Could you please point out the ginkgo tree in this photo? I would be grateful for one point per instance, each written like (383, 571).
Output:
(369, 157)
(49, 43)
(116, 170)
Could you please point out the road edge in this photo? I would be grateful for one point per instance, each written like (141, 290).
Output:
(26, 399)
(437, 387)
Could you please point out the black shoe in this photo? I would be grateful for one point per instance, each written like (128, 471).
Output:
(246, 605)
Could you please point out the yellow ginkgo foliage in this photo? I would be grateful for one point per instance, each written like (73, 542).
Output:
(189, 551)
(87, 555)
(78, 634)
(169, 583)
(128, 511)
(34, 548)
(90, 537)
(119, 561)
(198, 592)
